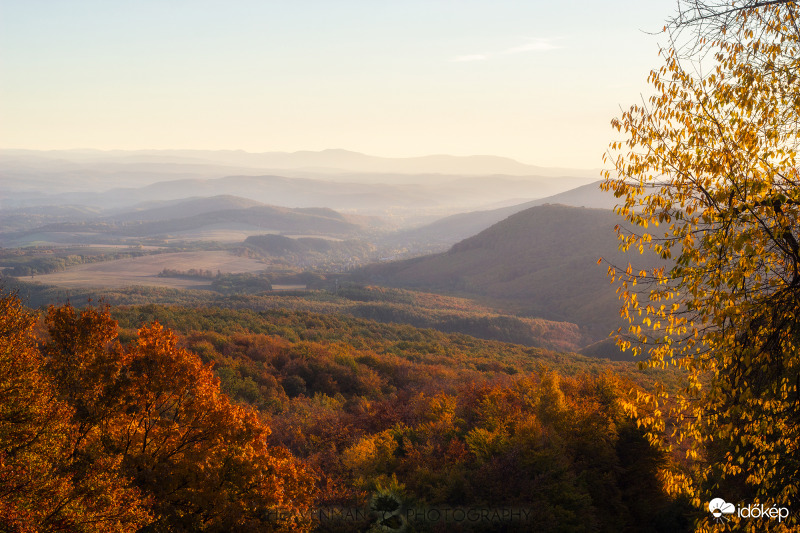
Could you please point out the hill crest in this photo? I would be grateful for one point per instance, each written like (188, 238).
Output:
(540, 262)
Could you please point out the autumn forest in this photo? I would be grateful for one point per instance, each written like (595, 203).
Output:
(328, 341)
(303, 419)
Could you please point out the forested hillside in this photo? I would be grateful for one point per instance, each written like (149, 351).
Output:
(255, 218)
(366, 425)
(449, 230)
(420, 309)
(540, 262)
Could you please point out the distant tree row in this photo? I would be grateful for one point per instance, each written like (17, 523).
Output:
(34, 263)
(29, 266)
(191, 273)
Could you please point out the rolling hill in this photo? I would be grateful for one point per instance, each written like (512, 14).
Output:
(441, 196)
(303, 220)
(167, 210)
(238, 222)
(447, 231)
(22, 218)
(413, 190)
(312, 252)
(539, 262)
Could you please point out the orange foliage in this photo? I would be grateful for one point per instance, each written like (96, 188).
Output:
(99, 436)
(46, 481)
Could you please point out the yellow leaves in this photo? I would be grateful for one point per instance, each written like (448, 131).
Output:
(485, 444)
(371, 454)
(715, 157)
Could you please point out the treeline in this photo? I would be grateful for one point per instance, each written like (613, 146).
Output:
(505, 328)
(243, 283)
(42, 260)
(31, 265)
(191, 273)
(311, 252)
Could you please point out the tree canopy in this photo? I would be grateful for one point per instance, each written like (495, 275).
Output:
(97, 436)
(707, 170)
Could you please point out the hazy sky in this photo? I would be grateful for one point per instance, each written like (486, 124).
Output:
(535, 80)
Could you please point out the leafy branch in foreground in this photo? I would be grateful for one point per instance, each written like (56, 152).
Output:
(708, 173)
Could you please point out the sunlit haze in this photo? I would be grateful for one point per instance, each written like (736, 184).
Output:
(534, 81)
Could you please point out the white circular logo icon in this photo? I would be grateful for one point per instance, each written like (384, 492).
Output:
(719, 507)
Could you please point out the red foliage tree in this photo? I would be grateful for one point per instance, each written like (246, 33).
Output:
(99, 436)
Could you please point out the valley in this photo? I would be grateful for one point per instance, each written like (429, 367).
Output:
(400, 267)
(375, 328)
(524, 268)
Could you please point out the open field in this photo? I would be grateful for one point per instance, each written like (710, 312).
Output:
(289, 287)
(144, 270)
(223, 232)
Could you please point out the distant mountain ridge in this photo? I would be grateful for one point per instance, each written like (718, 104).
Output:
(364, 198)
(183, 208)
(330, 160)
(408, 190)
(308, 220)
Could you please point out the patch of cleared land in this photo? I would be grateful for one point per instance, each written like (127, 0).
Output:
(323, 237)
(224, 232)
(144, 270)
(285, 287)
